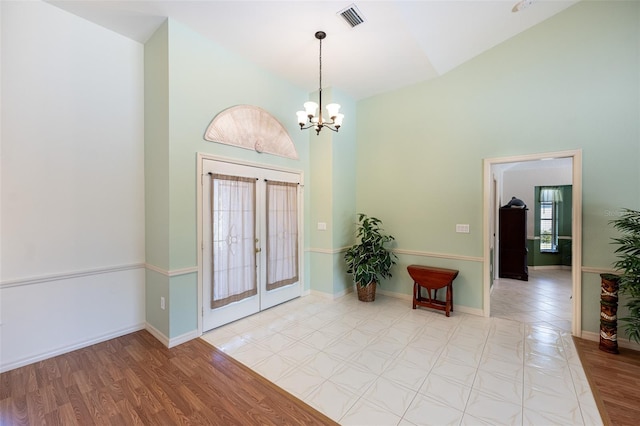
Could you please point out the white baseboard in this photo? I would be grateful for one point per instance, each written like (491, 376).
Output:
(69, 348)
(170, 343)
(406, 297)
(623, 343)
(409, 299)
(470, 311)
(332, 296)
(183, 338)
(550, 268)
(402, 296)
(157, 334)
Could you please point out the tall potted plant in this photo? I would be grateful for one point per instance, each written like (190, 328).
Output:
(369, 260)
(628, 263)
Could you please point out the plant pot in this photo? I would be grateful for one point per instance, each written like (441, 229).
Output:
(367, 293)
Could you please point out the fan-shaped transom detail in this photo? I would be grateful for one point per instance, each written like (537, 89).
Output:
(251, 127)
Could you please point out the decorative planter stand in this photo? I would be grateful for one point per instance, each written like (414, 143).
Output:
(609, 313)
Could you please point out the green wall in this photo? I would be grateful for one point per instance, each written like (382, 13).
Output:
(190, 80)
(156, 148)
(333, 168)
(156, 175)
(568, 83)
(571, 82)
(344, 193)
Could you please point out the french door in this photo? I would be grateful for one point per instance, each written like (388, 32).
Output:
(250, 252)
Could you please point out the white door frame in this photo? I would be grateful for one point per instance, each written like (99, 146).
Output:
(200, 182)
(576, 229)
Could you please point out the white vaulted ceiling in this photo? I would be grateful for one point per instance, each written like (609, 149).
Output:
(400, 42)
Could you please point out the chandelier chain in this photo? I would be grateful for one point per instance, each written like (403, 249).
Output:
(312, 117)
(320, 60)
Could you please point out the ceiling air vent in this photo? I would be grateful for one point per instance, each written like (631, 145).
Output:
(352, 15)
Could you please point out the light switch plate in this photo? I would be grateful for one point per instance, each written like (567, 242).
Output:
(462, 228)
(322, 226)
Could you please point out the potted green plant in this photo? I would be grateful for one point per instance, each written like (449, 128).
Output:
(370, 259)
(628, 264)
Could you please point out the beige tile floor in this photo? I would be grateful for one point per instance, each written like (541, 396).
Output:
(543, 300)
(383, 363)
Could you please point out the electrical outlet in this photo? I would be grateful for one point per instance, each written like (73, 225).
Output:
(162, 304)
(322, 226)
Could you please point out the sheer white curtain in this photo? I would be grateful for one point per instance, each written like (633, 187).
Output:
(282, 234)
(233, 210)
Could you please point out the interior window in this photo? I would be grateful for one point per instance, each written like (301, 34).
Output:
(548, 220)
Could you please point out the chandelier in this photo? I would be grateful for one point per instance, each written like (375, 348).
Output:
(308, 118)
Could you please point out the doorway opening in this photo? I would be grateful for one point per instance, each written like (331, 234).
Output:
(492, 185)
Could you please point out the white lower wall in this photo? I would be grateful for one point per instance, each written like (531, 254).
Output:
(71, 183)
(49, 317)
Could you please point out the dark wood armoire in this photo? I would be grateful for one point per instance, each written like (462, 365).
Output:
(513, 243)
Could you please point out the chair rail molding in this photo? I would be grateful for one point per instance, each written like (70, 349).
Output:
(69, 275)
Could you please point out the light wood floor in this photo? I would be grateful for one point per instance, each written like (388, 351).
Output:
(135, 380)
(614, 380)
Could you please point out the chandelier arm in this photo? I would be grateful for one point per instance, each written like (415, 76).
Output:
(324, 123)
(319, 127)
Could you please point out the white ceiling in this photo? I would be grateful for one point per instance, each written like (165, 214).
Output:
(400, 42)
